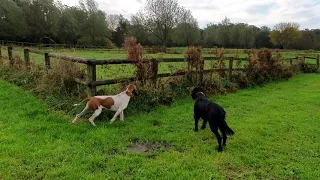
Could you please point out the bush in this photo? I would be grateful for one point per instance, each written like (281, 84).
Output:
(60, 79)
(56, 86)
(193, 55)
(266, 68)
(19, 75)
(152, 91)
(99, 41)
(215, 84)
(309, 68)
(241, 79)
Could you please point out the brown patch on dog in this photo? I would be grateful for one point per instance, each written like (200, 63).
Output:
(94, 103)
(107, 103)
(128, 93)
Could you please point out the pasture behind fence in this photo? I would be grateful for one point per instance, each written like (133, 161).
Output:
(91, 66)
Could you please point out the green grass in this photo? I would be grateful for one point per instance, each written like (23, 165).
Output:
(277, 137)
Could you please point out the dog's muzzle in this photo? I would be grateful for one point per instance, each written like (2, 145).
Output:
(135, 93)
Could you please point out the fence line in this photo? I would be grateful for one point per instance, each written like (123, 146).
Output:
(146, 48)
(91, 80)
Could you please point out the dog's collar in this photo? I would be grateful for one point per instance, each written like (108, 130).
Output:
(200, 93)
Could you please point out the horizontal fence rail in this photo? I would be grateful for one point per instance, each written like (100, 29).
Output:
(91, 81)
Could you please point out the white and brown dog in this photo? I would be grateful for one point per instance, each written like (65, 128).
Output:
(115, 103)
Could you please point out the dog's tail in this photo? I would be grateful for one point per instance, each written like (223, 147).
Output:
(229, 131)
(85, 100)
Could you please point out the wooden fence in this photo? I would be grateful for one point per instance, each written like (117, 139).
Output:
(91, 81)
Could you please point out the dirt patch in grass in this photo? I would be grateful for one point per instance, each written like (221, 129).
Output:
(149, 147)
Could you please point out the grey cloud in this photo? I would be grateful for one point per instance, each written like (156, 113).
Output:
(261, 9)
(201, 7)
(312, 23)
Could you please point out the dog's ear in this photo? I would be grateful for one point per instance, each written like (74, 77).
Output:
(131, 87)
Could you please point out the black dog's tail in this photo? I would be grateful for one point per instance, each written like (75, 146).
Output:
(228, 130)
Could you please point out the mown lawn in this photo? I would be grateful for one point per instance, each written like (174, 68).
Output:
(276, 128)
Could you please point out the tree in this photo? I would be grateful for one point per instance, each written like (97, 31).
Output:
(113, 21)
(285, 34)
(95, 24)
(262, 38)
(69, 28)
(316, 33)
(224, 31)
(210, 35)
(247, 35)
(120, 31)
(161, 17)
(137, 29)
(306, 41)
(42, 17)
(187, 32)
(234, 35)
(12, 21)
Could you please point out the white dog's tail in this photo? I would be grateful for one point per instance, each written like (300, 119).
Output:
(85, 100)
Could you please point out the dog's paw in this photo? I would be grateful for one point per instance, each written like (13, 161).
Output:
(219, 149)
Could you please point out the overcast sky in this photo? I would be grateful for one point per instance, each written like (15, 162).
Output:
(255, 12)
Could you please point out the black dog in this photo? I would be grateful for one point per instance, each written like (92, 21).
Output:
(209, 111)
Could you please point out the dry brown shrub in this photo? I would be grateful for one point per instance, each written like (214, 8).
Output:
(134, 50)
(61, 78)
(146, 67)
(193, 55)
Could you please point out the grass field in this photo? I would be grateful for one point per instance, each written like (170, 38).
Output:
(276, 128)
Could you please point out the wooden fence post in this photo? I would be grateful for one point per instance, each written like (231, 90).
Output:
(47, 61)
(230, 68)
(155, 68)
(0, 52)
(201, 71)
(189, 74)
(318, 59)
(26, 58)
(10, 56)
(92, 76)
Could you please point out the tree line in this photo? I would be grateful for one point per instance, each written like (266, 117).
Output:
(158, 23)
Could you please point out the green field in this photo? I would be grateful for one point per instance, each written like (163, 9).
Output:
(276, 128)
